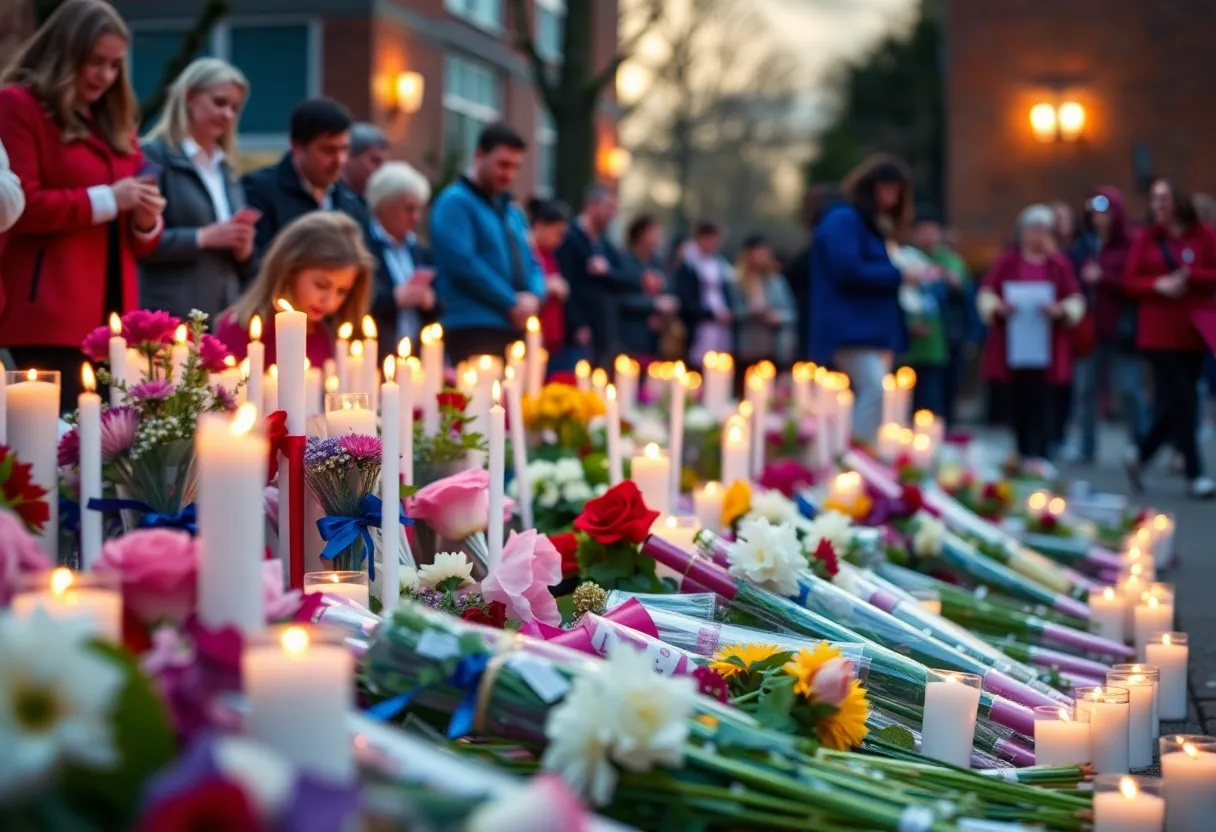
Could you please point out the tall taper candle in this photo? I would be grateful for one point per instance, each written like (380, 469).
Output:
(498, 451)
(179, 354)
(3, 408)
(679, 390)
(88, 424)
(405, 370)
(118, 359)
(513, 387)
(735, 454)
(341, 356)
(757, 394)
(290, 332)
(256, 354)
(535, 378)
(612, 412)
(390, 486)
(355, 361)
(432, 377)
(371, 347)
(33, 435)
(231, 462)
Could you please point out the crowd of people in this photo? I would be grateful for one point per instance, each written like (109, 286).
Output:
(104, 221)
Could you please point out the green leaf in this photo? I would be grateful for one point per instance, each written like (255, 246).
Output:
(776, 702)
(408, 491)
(897, 735)
(773, 662)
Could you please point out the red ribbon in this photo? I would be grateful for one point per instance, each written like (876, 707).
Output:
(292, 448)
(276, 432)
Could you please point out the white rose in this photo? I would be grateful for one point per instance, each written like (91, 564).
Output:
(832, 526)
(927, 541)
(548, 497)
(767, 555)
(567, 471)
(576, 492)
(774, 507)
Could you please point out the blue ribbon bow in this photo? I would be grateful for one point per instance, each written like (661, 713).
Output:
(69, 514)
(186, 518)
(341, 532)
(466, 677)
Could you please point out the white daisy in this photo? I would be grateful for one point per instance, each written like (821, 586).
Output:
(450, 570)
(832, 526)
(767, 555)
(56, 696)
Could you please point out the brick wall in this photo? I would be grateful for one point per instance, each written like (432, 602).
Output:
(1143, 70)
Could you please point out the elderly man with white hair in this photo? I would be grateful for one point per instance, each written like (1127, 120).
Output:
(404, 299)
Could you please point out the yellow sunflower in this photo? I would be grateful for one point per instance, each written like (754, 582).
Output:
(736, 502)
(846, 728)
(749, 654)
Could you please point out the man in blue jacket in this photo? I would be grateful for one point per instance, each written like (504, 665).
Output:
(486, 275)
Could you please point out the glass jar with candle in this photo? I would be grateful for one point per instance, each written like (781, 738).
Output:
(349, 584)
(93, 597)
(1140, 723)
(349, 413)
(1109, 712)
(1061, 736)
(1169, 653)
(1188, 768)
(1123, 803)
(952, 702)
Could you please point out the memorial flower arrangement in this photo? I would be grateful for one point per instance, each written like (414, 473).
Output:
(344, 476)
(455, 509)
(436, 456)
(561, 415)
(609, 530)
(561, 488)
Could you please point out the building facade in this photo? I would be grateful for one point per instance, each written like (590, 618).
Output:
(1137, 76)
(359, 52)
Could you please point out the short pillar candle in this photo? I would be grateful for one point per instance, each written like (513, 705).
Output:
(1123, 803)
(1188, 767)
(1109, 711)
(1061, 736)
(1169, 652)
(1140, 734)
(952, 703)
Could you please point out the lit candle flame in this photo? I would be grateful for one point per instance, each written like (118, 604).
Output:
(1064, 715)
(390, 368)
(712, 487)
(356, 349)
(610, 392)
(415, 365)
(230, 361)
(295, 640)
(273, 371)
(32, 375)
(284, 306)
(1152, 602)
(518, 351)
(485, 363)
(1165, 639)
(1056, 506)
(599, 377)
(623, 364)
(533, 324)
(115, 324)
(745, 410)
(1127, 786)
(1108, 594)
(905, 377)
(403, 348)
(246, 417)
(346, 330)
(180, 335)
(921, 442)
(509, 373)
(369, 327)
(922, 418)
(1037, 501)
(332, 384)
(1161, 522)
(61, 579)
(1190, 750)
(87, 379)
(496, 392)
(652, 451)
(255, 328)
(582, 369)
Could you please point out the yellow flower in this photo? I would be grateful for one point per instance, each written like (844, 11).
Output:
(846, 728)
(858, 510)
(749, 654)
(736, 502)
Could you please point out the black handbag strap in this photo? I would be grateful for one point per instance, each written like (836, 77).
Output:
(1170, 261)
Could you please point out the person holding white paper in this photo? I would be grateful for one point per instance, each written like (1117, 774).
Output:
(1030, 299)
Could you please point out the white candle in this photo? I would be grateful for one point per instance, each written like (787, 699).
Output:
(924, 422)
(718, 371)
(707, 504)
(231, 461)
(825, 426)
(179, 354)
(137, 368)
(1108, 611)
(512, 386)
(1140, 729)
(890, 400)
(310, 730)
(516, 360)
(65, 595)
(342, 356)
(612, 413)
(88, 425)
(651, 473)
(33, 435)
(1169, 652)
(432, 377)
(889, 441)
(847, 488)
(802, 376)
(348, 584)
(922, 452)
(256, 355)
(735, 452)
(291, 354)
(626, 381)
(1151, 615)
(405, 370)
(354, 369)
(118, 359)
(1188, 767)
(757, 394)
(371, 351)
(842, 421)
(905, 380)
(314, 395)
(679, 391)
(582, 375)
(535, 378)
(270, 390)
(498, 453)
(1061, 736)
(1125, 807)
(349, 414)
(599, 383)
(390, 487)
(1109, 712)
(952, 703)
(678, 530)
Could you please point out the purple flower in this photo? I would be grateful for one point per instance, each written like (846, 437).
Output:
(211, 353)
(69, 448)
(118, 426)
(361, 448)
(158, 390)
(147, 326)
(96, 344)
(225, 399)
(320, 451)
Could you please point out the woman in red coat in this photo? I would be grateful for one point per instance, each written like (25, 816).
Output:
(1171, 268)
(1028, 388)
(68, 120)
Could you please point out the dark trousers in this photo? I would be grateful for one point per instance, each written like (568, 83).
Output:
(462, 344)
(1030, 403)
(930, 390)
(1175, 409)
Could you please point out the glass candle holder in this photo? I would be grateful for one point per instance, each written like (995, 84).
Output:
(1153, 613)
(62, 595)
(952, 702)
(1162, 591)
(1109, 711)
(299, 682)
(929, 599)
(32, 413)
(1126, 803)
(351, 585)
(1061, 736)
(349, 413)
(1170, 652)
(1140, 727)
(1188, 767)
(1152, 672)
(707, 503)
(678, 529)
(1108, 608)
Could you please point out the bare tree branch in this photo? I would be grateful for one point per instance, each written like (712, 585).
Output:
(627, 46)
(526, 43)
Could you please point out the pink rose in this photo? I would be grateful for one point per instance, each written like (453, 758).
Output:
(831, 684)
(159, 569)
(545, 804)
(19, 553)
(530, 565)
(456, 507)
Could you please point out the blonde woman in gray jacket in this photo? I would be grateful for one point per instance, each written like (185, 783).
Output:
(12, 198)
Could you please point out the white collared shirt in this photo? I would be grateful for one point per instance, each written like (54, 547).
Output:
(210, 169)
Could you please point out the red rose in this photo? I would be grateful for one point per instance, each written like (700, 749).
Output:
(826, 554)
(453, 399)
(903, 461)
(567, 546)
(912, 499)
(476, 615)
(19, 492)
(620, 514)
(1048, 522)
(212, 804)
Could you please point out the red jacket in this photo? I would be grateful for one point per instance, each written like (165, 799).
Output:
(1007, 269)
(552, 311)
(1165, 323)
(53, 261)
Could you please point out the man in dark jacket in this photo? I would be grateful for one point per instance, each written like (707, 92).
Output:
(594, 269)
(308, 178)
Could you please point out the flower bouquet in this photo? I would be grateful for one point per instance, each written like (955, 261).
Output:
(609, 531)
(447, 452)
(455, 510)
(559, 417)
(560, 489)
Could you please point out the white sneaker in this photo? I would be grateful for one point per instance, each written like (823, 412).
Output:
(1202, 488)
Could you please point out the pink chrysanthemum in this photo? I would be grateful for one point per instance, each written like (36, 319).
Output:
(148, 326)
(118, 426)
(211, 354)
(361, 447)
(96, 344)
(225, 398)
(158, 390)
(69, 448)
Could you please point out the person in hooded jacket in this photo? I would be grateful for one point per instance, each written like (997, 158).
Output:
(1114, 365)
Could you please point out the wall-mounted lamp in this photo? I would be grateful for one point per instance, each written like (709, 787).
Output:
(408, 89)
(1062, 123)
(613, 162)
